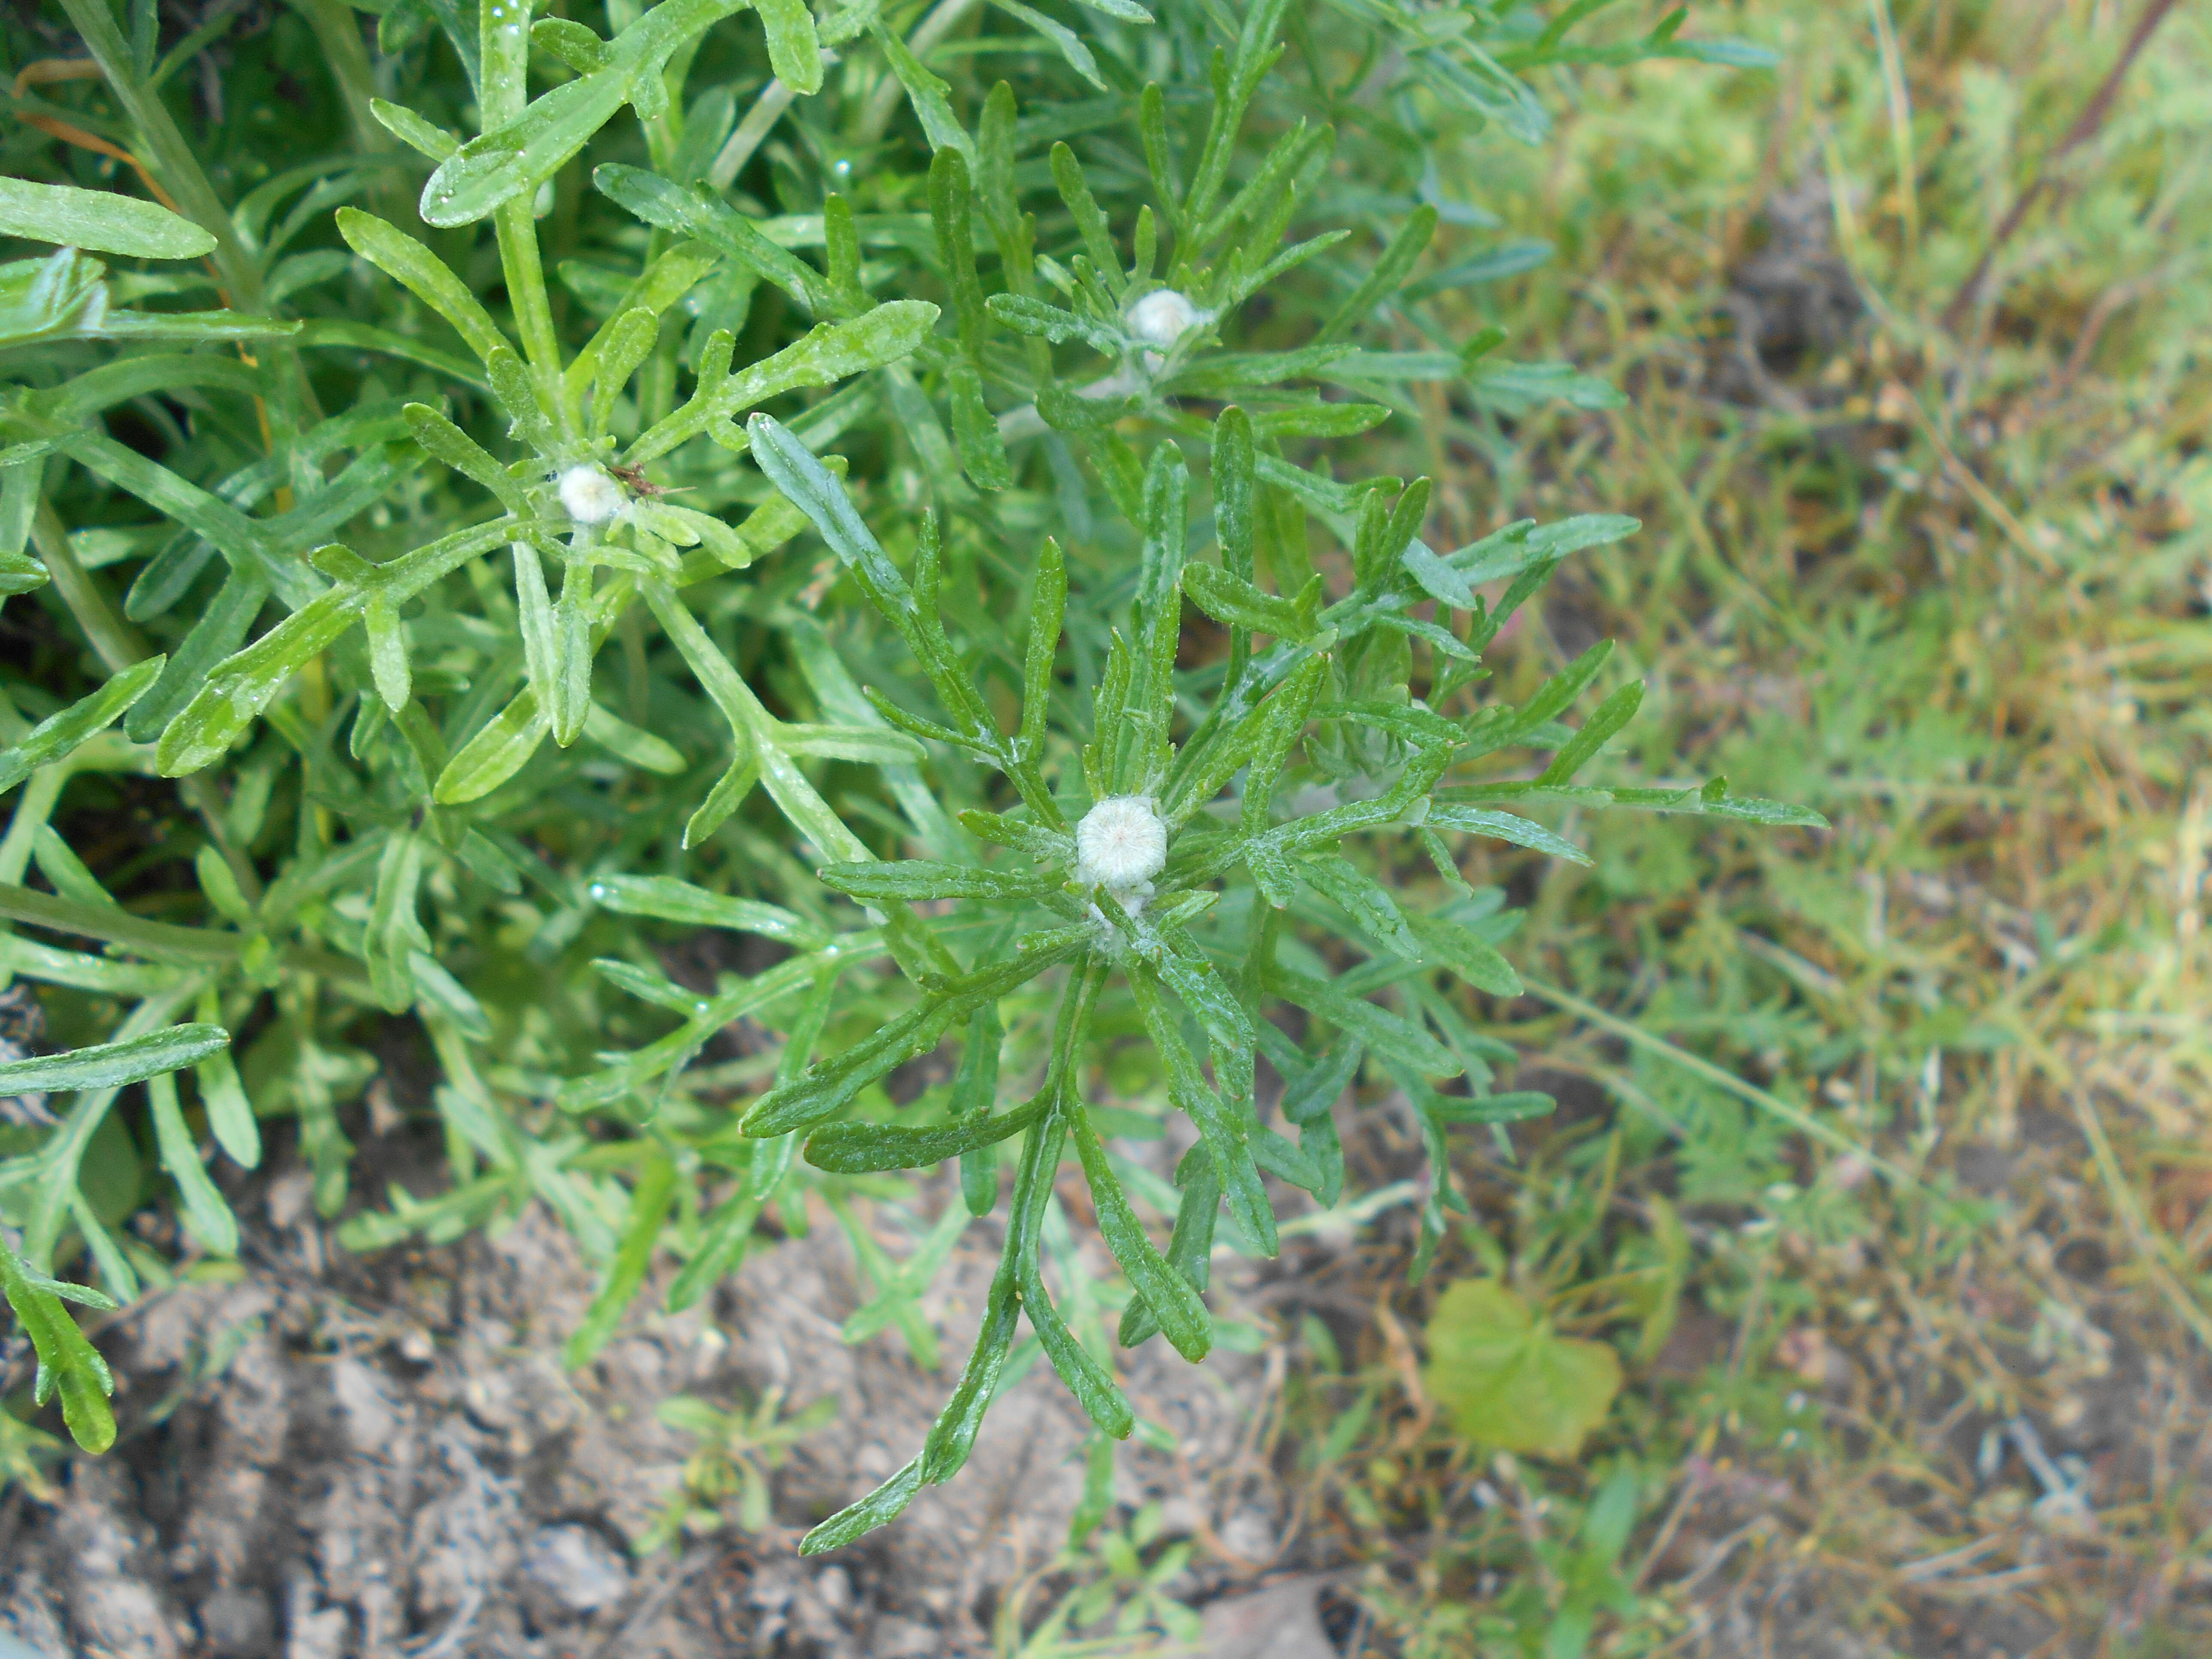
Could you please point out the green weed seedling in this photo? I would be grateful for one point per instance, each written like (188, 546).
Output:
(737, 1451)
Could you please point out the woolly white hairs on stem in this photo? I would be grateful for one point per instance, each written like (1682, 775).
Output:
(1163, 316)
(591, 495)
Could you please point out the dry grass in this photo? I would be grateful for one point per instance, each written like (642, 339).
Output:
(1950, 587)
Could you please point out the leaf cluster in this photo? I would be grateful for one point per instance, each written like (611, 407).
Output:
(450, 577)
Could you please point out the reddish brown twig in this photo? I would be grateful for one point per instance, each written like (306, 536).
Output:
(2086, 127)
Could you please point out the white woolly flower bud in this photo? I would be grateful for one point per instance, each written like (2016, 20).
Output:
(591, 495)
(1121, 845)
(1163, 316)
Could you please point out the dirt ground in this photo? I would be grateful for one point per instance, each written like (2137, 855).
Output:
(336, 1456)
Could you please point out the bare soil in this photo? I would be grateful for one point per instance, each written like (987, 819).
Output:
(333, 1455)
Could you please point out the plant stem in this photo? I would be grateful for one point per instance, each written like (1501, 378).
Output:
(120, 645)
(117, 925)
(166, 151)
(2086, 127)
(504, 38)
(533, 310)
(337, 31)
(1796, 1116)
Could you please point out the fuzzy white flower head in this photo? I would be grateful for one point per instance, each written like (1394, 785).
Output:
(591, 495)
(1163, 316)
(1121, 845)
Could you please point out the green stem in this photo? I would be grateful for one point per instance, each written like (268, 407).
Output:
(337, 31)
(120, 646)
(504, 36)
(533, 309)
(117, 925)
(117, 644)
(1796, 1116)
(165, 151)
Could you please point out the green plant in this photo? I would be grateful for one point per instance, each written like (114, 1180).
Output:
(1509, 1379)
(367, 823)
(1553, 1612)
(1123, 1583)
(737, 1449)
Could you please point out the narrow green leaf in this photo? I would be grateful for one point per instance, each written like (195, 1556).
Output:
(690, 210)
(423, 137)
(1475, 960)
(1039, 842)
(794, 51)
(826, 355)
(99, 220)
(1384, 1033)
(811, 488)
(1188, 1089)
(632, 744)
(1025, 315)
(68, 1364)
(950, 192)
(394, 928)
(1175, 1306)
(1069, 43)
(1232, 600)
(230, 1114)
(919, 880)
(111, 1065)
(649, 1205)
(495, 754)
(974, 430)
(575, 44)
(1364, 898)
(869, 745)
(728, 794)
(205, 1212)
(1606, 719)
(55, 737)
(1190, 1247)
(515, 157)
(399, 256)
(1514, 1108)
(669, 900)
(930, 97)
(447, 442)
(387, 653)
(879, 1509)
(1284, 719)
(975, 1088)
(1503, 826)
(861, 1148)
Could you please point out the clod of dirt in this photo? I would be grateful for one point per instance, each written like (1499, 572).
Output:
(1280, 1622)
(577, 1565)
(1792, 297)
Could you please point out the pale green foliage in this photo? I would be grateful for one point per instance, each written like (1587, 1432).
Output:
(736, 1452)
(348, 636)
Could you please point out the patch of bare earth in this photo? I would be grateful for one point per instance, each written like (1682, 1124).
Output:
(340, 1456)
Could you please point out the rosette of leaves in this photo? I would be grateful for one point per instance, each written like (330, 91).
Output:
(1221, 908)
(1204, 200)
(368, 570)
